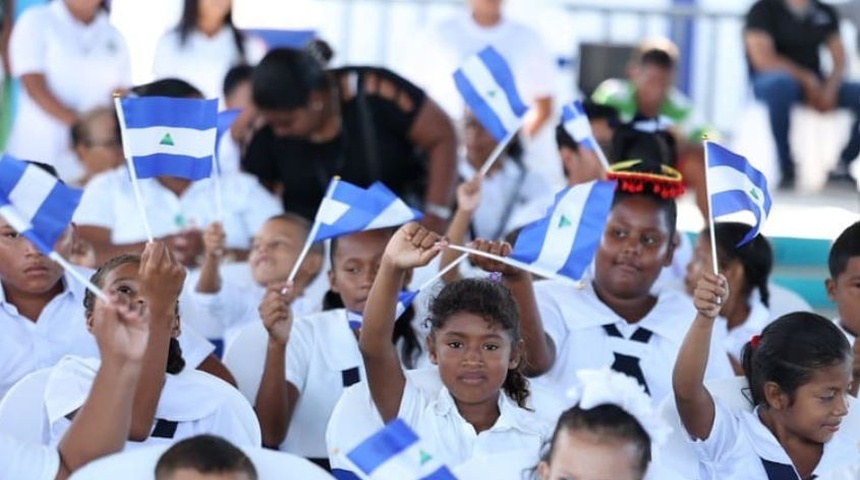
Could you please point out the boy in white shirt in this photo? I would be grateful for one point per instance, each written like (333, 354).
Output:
(843, 288)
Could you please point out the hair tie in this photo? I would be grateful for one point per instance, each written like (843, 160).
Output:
(495, 277)
(754, 341)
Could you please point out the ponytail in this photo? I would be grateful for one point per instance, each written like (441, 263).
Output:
(175, 362)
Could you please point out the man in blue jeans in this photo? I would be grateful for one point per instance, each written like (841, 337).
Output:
(782, 40)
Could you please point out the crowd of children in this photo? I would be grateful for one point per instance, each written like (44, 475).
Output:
(494, 368)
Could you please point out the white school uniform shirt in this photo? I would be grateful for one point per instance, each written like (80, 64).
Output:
(447, 44)
(196, 407)
(203, 61)
(512, 189)
(848, 335)
(738, 443)
(26, 461)
(48, 40)
(235, 306)
(108, 202)
(574, 319)
(433, 415)
(60, 330)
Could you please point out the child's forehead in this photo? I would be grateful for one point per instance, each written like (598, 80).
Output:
(362, 244)
(852, 268)
(279, 226)
(126, 270)
(471, 323)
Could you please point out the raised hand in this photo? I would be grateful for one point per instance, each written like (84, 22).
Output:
(121, 330)
(275, 312)
(469, 194)
(213, 240)
(161, 277)
(710, 294)
(499, 248)
(412, 246)
(187, 245)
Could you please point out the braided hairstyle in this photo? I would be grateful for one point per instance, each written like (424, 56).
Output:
(493, 302)
(175, 362)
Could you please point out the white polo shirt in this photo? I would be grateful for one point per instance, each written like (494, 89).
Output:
(203, 61)
(194, 406)
(738, 444)
(512, 190)
(31, 462)
(735, 339)
(574, 319)
(109, 202)
(83, 65)
(453, 440)
(60, 330)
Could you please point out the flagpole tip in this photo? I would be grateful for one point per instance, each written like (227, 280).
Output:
(705, 137)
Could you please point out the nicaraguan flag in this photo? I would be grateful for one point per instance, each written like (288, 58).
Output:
(576, 123)
(396, 452)
(35, 203)
(564, 241)
(487, 85)
(736, 186)
(169, 136)
(349, 209)
(404, 299)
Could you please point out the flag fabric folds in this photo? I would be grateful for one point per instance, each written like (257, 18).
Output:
(169, 136)
(404, 299)
(35, 203)
(348, 208)
(564, 241)
(396, 452)
(736, 186)
(576, 123)
(487, 85)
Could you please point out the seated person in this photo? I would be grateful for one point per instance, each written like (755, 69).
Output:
(177, 209)
(580, 164)
(649, 93)
(168, 405)
(95, 139)
(102, 424)
(782, 42)
(237, 96)
(843, 288)
(274, 251)
(42, 316)
(204, 457)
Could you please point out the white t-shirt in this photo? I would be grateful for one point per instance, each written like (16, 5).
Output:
(32, 462)
(83, 65)
(445, 433)
(194, 406)
(109, 202)
(738, 444)
(61, 330)
(520, 194)
(735, 339)
(203, 61)
(574, 319)
(447, 44)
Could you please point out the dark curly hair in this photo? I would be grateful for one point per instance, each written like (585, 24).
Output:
(175, 362)
(494, 303)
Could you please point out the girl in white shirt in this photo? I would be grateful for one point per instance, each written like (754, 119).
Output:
(310, 361)
(799, 371)
(170, 404)
(203, 47)
(747, 268)
(475, 342)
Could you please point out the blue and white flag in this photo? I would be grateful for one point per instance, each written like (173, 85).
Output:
(736, 186)
(487, 85)
(348, 208)
(576, 124)
(404, 299)
(35, 203)
(165, 136)
(564, 241)
(396, 452)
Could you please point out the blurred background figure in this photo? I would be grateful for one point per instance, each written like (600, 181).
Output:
(96, 142)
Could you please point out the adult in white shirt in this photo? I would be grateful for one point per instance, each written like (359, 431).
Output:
(51, 46)
(203, 47)
(102, 424)
(42, 315)
(447, 44)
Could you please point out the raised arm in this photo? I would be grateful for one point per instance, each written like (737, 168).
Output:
(101, 426)
(412, 246)
(468, 199)
(276, 398)
(161, 277)
(433, 132)
(213, 250)
(694, 402)
(539, 347)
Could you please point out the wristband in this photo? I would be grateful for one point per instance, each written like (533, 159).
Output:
(439, 211)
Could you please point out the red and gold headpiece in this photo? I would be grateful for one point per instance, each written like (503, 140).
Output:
(635, 176)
